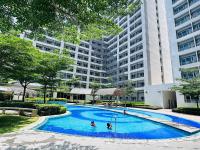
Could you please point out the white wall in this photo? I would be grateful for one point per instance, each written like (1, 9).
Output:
(158, 95)
(181, 101)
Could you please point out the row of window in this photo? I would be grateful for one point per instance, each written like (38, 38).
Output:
(189, 58)
(193, 13)
(188, 29)
(184, 5)
(189, 43)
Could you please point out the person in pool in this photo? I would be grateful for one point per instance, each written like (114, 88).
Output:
(124, 112)
(109, 126)
(93, 124)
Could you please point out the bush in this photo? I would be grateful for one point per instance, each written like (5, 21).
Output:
(191, 111)
(132, 104)
(17, 104)
(148, 107)
(33, 99)
(43, 109)
(6, 96)
(58, 99)
(50, 109)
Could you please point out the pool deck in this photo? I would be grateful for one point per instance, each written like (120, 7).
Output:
(32, 139)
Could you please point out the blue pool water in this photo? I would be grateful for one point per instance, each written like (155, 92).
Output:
(127, 127)
(164, 117)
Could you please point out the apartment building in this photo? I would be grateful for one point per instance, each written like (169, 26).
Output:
(137, 53)
(184, 31)
(185, 41)
(141, 52)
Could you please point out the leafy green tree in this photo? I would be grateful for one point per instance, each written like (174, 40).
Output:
(49, 66)
(71, 21)
(18, 60)
(63, 87)
(73, 82)
(189, 87)
(128, 89)
(94, 86)
(110, 83)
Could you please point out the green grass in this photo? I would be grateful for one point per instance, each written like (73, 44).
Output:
(10, 123)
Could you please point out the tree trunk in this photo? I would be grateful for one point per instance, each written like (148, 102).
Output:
(93, 97)
(197, 103)
(24, 93)
(45, 89)
(51, 93)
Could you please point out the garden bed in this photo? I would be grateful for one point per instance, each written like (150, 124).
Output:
(190, 111)
(43, 109)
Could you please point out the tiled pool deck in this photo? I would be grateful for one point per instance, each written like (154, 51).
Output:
(31, 139)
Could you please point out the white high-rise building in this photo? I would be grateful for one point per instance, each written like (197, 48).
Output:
(184, 19)
(184, 32)
(141, 52)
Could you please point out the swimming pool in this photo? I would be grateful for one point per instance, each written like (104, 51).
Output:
(123, 126)
(163, 116)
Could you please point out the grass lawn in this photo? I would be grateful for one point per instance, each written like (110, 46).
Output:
(10, 123)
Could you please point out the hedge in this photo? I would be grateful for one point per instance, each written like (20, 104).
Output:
(50, 109)
(191, 111)
(43, 109)
(17, 104)
(33, 99)
(6, 96)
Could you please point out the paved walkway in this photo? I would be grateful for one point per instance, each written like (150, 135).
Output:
(37, 140)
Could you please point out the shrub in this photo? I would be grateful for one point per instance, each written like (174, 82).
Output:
(43, 109)
(17, 104)
(133, 104)
(33, 99)
(58, 99)
(191, 111)
(6, 96)
(50, 109)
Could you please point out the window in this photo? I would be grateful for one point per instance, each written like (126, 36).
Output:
(188, 59)
(184, 18)
(195, 12)
(197, 40)
(180, 7)
(186, 44)
(183, 32)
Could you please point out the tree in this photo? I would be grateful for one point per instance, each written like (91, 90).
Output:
(63, 87)
(94, 86)
(18, 60)
(129, 90)
(49, 66)
(71, 21)
(189, 87)
(110, 83)
(73, 82)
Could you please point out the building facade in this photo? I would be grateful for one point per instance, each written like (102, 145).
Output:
(184, 26)
(141, 52)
